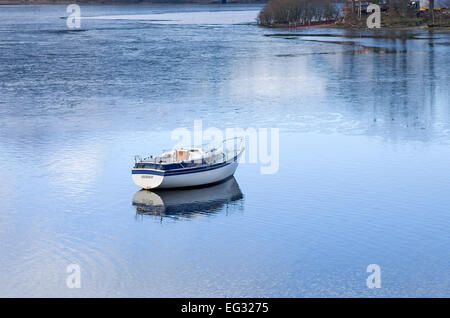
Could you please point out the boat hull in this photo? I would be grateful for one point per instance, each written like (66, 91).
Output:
(152, 179)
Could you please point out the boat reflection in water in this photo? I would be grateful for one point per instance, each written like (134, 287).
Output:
(187, 203)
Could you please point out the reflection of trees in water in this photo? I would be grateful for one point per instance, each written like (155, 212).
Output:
(394, 90)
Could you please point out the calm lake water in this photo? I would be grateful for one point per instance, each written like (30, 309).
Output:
(363, 177)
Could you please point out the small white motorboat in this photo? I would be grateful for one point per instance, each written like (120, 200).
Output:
(189, 167)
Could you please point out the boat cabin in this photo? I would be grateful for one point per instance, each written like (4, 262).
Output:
(174, 159)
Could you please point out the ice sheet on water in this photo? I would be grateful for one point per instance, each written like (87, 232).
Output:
(210, 17)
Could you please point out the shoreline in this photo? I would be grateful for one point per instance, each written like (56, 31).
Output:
(334, 26)
(402, 26)
(346, 26)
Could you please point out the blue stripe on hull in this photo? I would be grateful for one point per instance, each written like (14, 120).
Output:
(184, 171)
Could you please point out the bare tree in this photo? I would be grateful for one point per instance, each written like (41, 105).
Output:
(431, 8)
(297, 12)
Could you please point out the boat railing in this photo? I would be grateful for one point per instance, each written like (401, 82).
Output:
(212, 153)
(231, 146)
(227, 149)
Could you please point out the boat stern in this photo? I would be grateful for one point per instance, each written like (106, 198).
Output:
(145, 179)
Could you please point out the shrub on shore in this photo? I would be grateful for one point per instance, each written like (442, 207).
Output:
(286, 12)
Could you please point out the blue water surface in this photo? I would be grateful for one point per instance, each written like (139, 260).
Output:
(363, 173)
